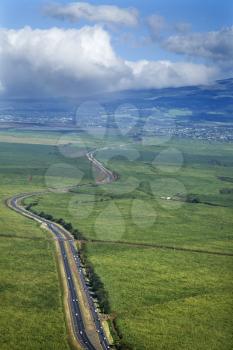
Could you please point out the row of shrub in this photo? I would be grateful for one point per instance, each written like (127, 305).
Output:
(96, 285)
(226, 191)
(66, 225)
(99, 292)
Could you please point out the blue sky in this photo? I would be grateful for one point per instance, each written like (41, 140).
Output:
(203, 15)
(154, 38)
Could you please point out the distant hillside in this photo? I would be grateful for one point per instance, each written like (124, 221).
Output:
(204, 112)
(210, 103)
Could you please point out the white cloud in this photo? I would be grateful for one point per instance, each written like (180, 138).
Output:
(156, 24)
(159, 27)
(161, 74)
(101, 13)
(216, 45)
(1, 87)
(58, 61)
(74, 62)
(182, 27)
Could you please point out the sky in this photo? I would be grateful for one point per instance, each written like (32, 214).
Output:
(65, 48)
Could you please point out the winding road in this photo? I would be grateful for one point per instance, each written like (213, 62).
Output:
(64, 238)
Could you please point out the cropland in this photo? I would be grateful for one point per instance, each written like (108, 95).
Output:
(159, 239)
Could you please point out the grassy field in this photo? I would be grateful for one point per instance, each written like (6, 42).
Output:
(165, 299)
(162, 299)
(136, 204)
(191, 226)
(31, 306)
(31, 314)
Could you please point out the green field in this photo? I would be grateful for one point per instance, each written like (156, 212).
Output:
(30, 293)
(31, 303)
(136, 206)
(161, 298)
(165, 299)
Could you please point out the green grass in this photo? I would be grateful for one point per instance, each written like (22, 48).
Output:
(162, 299)
(31, 315)
(32, 164)
(134, 204)
(165, 299)
(31, 306)
(191, 226)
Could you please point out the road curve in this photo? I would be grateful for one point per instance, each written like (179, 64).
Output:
(62, 236)
(109, 175)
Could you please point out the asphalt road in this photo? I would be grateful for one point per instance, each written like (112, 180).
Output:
(63, 235)
(109, 176)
